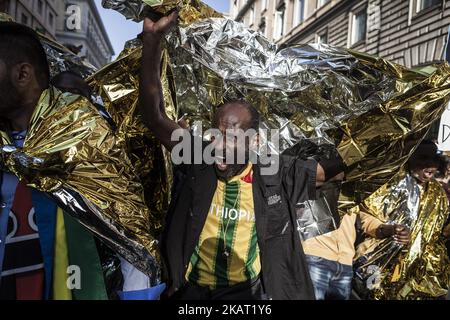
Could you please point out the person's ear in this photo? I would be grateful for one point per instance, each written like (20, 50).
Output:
(22, 75)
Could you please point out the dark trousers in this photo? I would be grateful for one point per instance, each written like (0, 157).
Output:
(249, 290)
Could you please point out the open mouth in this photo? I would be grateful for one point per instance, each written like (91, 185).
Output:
(220, 163)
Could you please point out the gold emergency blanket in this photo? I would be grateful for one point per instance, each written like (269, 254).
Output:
(107, 194)
(71, 152)
(190, 10)
(373, 111)
(420, 270)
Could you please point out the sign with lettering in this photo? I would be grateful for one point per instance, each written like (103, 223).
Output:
(444, 131)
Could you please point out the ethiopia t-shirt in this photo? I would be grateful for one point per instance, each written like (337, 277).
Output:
(227, 252)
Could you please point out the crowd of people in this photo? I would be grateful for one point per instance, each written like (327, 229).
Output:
(231, 231)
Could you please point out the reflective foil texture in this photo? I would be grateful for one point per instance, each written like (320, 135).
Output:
(420, 270)
(190, 10)
(62, 59)
(122, 224)
(372, 111)
(318, 217)
(71, 153)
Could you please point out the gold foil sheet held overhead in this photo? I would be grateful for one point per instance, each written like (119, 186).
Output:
(373, 111)
(190, 10)
(62, 59)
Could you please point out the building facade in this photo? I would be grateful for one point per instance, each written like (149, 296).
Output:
(410, 32)
(80, 27)
(38, 14)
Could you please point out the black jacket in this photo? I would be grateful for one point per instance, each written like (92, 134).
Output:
(284, 270)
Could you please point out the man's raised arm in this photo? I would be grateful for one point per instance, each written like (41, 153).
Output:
(151, 101)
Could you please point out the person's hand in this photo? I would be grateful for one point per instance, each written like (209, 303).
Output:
(160, 27)
(402, 234)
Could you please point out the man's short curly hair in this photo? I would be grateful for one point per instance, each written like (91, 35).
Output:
(18, 44)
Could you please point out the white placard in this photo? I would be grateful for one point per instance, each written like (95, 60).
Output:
(444, 131)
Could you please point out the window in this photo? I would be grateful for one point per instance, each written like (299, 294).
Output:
(262, 27)
(323, 37)
(262, 30)
(4, 6)
(24, 19)
(263, 5)
(235, 8)
(299, 12)
(425, 4)
(252, 15)
(321, 3)
(40, 6)
(279, 22)
(51, 19)
(359, 26)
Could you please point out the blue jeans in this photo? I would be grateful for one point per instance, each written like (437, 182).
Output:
(331, 280)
